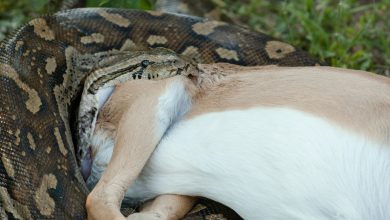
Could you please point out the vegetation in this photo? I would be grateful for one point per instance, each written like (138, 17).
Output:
(345, 33)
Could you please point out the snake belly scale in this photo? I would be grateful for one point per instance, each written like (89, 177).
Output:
(42, 69)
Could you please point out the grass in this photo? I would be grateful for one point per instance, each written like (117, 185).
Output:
(345, 33)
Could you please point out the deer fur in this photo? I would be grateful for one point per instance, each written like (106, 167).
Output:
(269, 142)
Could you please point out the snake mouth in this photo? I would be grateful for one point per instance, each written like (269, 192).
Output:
(86, 164)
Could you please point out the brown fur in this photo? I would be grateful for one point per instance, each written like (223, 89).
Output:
(356, 100)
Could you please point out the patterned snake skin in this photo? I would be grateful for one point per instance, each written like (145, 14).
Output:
(40, 92)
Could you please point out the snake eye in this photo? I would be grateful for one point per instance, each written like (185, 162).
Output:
(145, 63)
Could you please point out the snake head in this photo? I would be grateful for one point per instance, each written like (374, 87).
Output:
(163, 63)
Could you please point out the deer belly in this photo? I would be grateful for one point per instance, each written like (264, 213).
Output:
(270, 163)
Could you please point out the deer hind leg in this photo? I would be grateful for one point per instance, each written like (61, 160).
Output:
(139, 130)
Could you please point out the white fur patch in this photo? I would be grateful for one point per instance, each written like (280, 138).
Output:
(173, 104)
(103, 95)
(271, 163)
(102, 147)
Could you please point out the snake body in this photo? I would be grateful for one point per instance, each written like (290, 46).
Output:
(42, 69)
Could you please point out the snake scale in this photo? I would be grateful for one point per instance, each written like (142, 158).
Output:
(40, 91)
